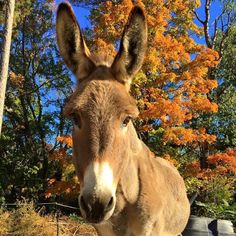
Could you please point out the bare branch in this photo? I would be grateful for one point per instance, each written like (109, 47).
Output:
(206, 24)
(214, 34)
(198, 18)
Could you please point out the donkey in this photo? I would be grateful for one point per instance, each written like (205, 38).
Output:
(125, 190)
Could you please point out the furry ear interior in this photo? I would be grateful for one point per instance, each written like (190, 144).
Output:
(132, 50)
(71, 43)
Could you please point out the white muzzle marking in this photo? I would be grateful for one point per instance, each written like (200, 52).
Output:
(99, 181)
(99, 178)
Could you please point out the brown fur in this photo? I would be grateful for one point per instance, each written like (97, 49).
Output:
(151, 197)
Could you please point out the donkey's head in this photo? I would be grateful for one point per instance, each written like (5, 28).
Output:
(101, 109)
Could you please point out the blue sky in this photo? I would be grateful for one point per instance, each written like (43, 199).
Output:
(81, 14)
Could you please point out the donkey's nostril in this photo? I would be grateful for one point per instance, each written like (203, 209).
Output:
(110, 204)
(84, 205)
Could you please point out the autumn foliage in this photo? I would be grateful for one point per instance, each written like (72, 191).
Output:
(172, 86)
(68, 183)
(219, 164)
(67, 140)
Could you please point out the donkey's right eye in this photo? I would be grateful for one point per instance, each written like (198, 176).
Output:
(77, 120)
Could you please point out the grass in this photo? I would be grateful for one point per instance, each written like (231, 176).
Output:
(26, 221)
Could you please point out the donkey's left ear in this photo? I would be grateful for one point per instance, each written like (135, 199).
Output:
(71, 43)
(132, 50)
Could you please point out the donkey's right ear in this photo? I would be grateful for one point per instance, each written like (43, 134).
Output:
(71, 44)
(132, 50)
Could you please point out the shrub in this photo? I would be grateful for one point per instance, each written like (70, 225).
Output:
(215, 196)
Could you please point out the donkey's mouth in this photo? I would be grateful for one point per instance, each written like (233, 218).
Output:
(94, 220)
(97, 214)
(98, 217)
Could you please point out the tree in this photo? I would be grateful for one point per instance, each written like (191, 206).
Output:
(172, 87)
(220, 38)
(37, 88)
(223, 123)
(215, 39)
(10, 5)
(22, 9)
(63, 184)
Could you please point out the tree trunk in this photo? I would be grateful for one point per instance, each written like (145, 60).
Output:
(10, 5)
(204, 153)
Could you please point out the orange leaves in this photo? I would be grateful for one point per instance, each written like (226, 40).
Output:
(170, 112)
(66, 140)
(67, 183)
(207, 58)
(158, 15)
(111, 19)
(219, 164)
(60, 187)
(61, 156)
(201, 103)
(16, 80)
(185, 95)
(103, 46)
(196, 84)
(193, 169)
(171, 50)
(152, 61)
(225, 162)
(61, 153)
(183, 136)
(199, 86)
(211, 84)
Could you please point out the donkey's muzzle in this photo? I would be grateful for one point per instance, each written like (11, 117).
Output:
(95, 208)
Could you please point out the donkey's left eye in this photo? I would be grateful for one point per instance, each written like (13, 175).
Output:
(126, 121)
(77, 120)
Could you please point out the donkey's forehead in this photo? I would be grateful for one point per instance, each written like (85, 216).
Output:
(105, 95)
